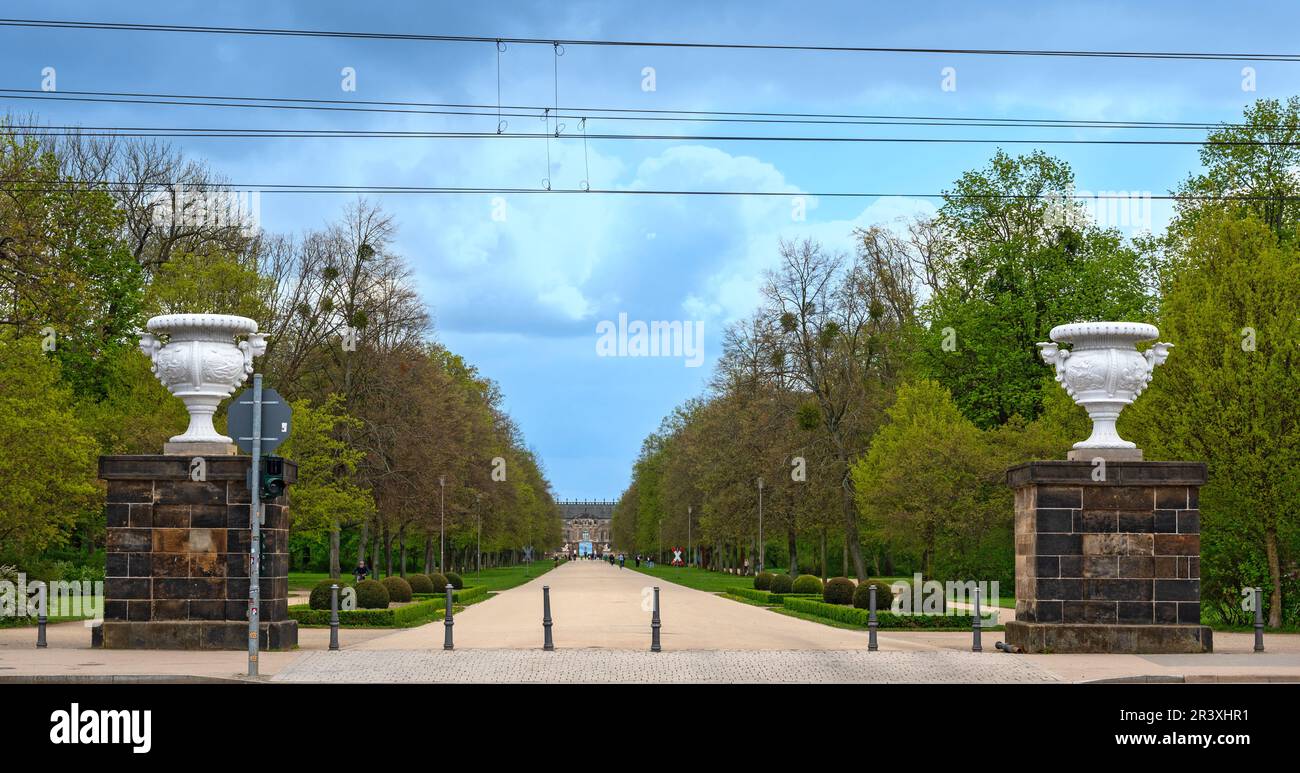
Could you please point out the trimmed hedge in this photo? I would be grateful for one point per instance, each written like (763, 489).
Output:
(467, 596)
(767, 597)
(884, 595)
(455, 580)
(855, 616)
(420, 583)
(422, 611)
(807, 583)
(406, 616)
(839, 590)
(320, 594)
(371, 594)
(763, 581)
(399, 590)
(781, 583)
(439, 582)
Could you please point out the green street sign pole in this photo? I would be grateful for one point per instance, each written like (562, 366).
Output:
(255, 526)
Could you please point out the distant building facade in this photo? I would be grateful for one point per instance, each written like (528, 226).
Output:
(587, 525)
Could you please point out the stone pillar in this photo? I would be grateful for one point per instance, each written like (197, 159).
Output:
(178, 554)
(1110, 565)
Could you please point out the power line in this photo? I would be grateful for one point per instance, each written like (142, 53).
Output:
(283, 32)
(74, 185)
(261, 133)
(605, 113)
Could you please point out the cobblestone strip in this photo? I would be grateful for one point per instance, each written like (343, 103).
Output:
(682, 667)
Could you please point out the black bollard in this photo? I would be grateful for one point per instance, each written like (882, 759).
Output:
(41, 618)
(1259, 619)
(447, 622)
(975, 627)
(872, 623)
(334, 616)
(547, 643)
(655, 625)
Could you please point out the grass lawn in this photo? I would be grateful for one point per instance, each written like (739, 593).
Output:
(498, 579)
(506, 577)
(691, 577)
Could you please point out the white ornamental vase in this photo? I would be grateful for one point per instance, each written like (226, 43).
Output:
(1104, 371)
(199, 358)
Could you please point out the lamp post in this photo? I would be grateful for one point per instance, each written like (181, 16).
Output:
(690, 546)
(442, 524)
(761, 551)
(478, 548)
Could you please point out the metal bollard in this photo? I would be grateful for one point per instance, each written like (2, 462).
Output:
(41, 618)
(975, 646)
(872, 623)
(447, 622)
(1259, 619)
(655, 625)
(548, 644)
(334, 616)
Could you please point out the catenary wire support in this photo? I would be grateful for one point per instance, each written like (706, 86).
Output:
(501, 124)
(546, 116)
(586, 166)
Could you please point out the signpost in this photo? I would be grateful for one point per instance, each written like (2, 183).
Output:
(258, 420)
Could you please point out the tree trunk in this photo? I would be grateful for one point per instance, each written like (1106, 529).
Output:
(388, 552)
(365, 540)
(844, 561)
(1274, 574)
(374, 555)
(335, 569)
(823, 566)
(428, 554)
(792, 541)
(401, 546)
(850, 511)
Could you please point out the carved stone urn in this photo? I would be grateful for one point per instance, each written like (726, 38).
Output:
(199, 358)
(1103, 372)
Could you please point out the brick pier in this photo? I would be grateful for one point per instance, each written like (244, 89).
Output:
(178, 555)
(1109, 565)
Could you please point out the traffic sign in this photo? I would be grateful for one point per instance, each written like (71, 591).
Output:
(276, 416)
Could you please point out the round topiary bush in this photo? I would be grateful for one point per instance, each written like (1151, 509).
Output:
(420, 583)
(839, 590)
(371, 594)
(399, 590)
(884, 595)
(807, 583)
(439, 582)
(320, 594)
(455, 580)
(763, 581)
(781, 583)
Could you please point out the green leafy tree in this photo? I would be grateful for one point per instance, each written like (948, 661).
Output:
(1230, 395)
(1014, 260)
(326, 498)
(47, 470)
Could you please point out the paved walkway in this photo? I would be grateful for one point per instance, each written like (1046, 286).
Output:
(594, 604)
(602, 634)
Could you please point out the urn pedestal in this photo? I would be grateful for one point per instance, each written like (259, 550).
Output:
(178, 556)
(1108, 565)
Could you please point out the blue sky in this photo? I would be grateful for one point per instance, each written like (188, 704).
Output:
(521, 296)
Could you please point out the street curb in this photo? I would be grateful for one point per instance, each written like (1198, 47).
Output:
(121, 679)
(1198, 679)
